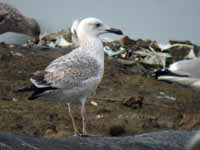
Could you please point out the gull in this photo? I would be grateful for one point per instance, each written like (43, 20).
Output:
(73, 30)
(74, 26)
(185, 72)
(72, 78)
(12, 20)
(108, 51)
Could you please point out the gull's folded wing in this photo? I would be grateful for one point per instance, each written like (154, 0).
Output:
(64, 74)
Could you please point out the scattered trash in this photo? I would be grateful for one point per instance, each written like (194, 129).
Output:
(94, 103)
(134, 102)
(11, 46)
(99, 116)
(6, 98)
(163, 95)
(16, 54)
(112, 53)
(153, 57)
(61, 42)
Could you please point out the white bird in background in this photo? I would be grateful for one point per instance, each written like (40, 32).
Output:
(74, 26)
(74, 29)
(185, 72)
(73, 77)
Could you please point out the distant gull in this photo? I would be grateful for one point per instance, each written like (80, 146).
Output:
(185, 72)
(74, 29)
(74, 26)
(73, 77)
(12, 20)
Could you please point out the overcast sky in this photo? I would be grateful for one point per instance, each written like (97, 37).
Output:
(155, 19)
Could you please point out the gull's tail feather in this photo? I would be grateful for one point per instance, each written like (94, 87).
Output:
(26, 89)
(37, 92)
(31, 88)
(162, 73)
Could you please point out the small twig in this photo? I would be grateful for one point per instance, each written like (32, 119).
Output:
(112, 100)
(106, 99)
(126, 62)
(163, 106)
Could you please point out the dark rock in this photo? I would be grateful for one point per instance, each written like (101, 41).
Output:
(165, 140)
(151, 121)
(134, 102)
(117, 130)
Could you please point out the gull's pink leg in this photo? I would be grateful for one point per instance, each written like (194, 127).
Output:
(76, 133)
(83, 115)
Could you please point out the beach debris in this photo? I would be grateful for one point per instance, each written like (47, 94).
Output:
(61, 39)
(61, 42)
(112, 53)
(99, 116)
(7, 98)
(179, 51)
(152, 57)
(94, 103)
(134, 102)
(11, 46)
(163, 95)
(16, 54)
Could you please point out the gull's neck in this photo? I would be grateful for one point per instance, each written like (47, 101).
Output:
(93, 46)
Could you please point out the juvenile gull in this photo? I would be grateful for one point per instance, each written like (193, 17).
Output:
(73, 77)
(12, 20)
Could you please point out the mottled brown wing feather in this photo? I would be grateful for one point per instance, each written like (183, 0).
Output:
(72, 74)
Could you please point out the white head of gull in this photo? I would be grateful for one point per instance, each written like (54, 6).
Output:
(72, 78)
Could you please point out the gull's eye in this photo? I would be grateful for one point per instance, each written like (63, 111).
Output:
(97, 25)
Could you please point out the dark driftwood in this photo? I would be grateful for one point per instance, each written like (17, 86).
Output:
(165, 140)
